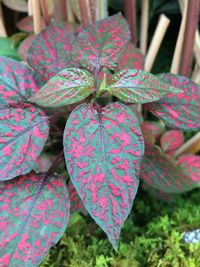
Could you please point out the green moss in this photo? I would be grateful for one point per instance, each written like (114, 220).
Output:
(152, 236)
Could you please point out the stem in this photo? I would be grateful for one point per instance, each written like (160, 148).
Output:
(85, 12)
(130, 14)
(58, 160)
(144, 26)
(46, 16)
(60, 10)
(191, 24)
(36, 16)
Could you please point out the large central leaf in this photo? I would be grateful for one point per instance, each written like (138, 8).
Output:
(34, 213)
(101, 44)
(23, 133)
(103, 150)
(17, 81)
(67, 87)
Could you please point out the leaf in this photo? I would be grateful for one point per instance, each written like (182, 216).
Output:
(26, 24)
(25, 46)
(100, 44)
(147, 134)
(67, 87)
(17, 81)
(43, 163)
(179, 110)
(7, 49)
(136, 86)
(160, 172)
(23, 133)
(191, 166)
(50, 51)
(132, 58)
(171, 140)
(34, 213)
(155, 127)
(76, 204)
(103, 149)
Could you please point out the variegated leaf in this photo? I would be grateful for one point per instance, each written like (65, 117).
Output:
(137, 86)
(26, 24)
(132, 58)
(191, 166)
(171, 140)
(160, 172)
(100, 44)
(179, 110)
(25, 46)
(67, 87)
(103, 149)
(50, 51)
(17, 81)
(23, 133)
(43, 162)
(155, 127)
(76, 204)
(34, 212)
(147, 134)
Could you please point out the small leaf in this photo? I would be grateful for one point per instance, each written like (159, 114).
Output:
(100, 44)
(50, 51)
(171, 140)
(156, 128)
(191, 166)
(43, 163)
(23, 133)
(17, 81)
(147, 134)
(160, 172)
(179, 110)
(7, 49)
(136, 86)
(132, 58)
(67, 87)
(103, 149)
(26, 24)
(34, 213)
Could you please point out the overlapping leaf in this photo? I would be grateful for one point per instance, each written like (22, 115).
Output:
(160, 172)
(179, 110)
(132, 58)
(103, 149)
(17, 81)
(50, 51)
(100, 44)
(76, 204)
(23, 133)
(25, 46)
(67, 87)
(191, 166)
(26, 24)
(136, 86)
(34, 213)
(171, 140)
(43, 163)
(155, 127)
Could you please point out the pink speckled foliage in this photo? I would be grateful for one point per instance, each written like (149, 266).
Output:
(103, 149)
(100, 44)
(171, 140)
(161, 172)
(34, 214)
(25, 46)
(17, 81)
(50, 51)
(23, 133)
(179, 110)
(155, 127)
(26, 24)
(67, 87)
(76, 204)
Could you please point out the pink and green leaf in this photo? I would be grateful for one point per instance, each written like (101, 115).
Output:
(43, 162)
(25, 46)
(160, 172)
(34, 212)
(147, 134)
(50, 51)
(171, 140)
(26, 24)
(17, 81)
(76, 204)
(191, 166)
(23, 133)
(103, 149)
(155, 127)
(132, 58)
(100, 44)
(67, 87)
(137, 86)
(180, 110)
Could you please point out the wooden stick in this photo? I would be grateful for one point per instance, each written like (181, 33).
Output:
(36, 16)
(130, 15)
(189, 34)
(191, 146)
(156, 42)
(2, 26)
(70, 13)
(60, 10)
(30, 7)
(144, 26)
(102, 9)
(85, 12)
(179, 43)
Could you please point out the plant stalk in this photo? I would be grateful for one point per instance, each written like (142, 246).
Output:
(130, 14)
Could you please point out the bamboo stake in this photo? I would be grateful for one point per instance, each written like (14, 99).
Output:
(191, 146)
(144, 26)
(85, 12)
(179, 43)
(191, 23)
(130, 14)
(60, 10)
(2, 26)
(156, 42)
(70, 13)
(36, 16)
(30, 7)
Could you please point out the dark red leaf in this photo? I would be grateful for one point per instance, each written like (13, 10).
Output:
(171, 140)
(156, 128)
